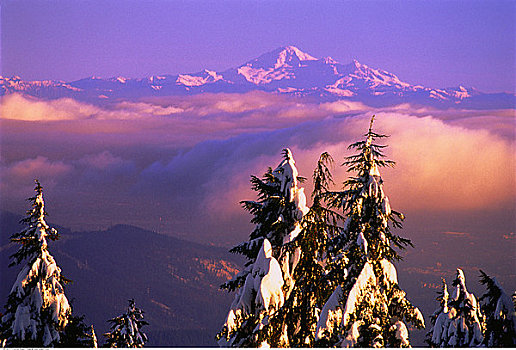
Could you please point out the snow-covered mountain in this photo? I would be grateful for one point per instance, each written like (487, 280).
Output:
(286, 70)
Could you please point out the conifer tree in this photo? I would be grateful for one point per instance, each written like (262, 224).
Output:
(500, 314)
(367, 307)
(267, 278)
(440, 318)
(459, 321)
(37, 310)
(126, 329)
(297, 318)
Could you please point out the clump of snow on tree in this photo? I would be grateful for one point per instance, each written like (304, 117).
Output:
(459, 321)
(266, 281)
(365, 278)
(37, 309)
(126, 329)
(331, 314)
(401, 333)
(262, 288)
(371, 306)
(500, 312)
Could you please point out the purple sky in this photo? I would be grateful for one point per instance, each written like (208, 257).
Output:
(433, 43)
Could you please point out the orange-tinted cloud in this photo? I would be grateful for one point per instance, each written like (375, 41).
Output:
(179, 155)
(26, 108)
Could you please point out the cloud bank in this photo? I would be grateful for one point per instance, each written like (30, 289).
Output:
(180, 165)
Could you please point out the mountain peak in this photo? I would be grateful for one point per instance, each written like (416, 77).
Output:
(358, 65)
(302, 56)
(283, 56)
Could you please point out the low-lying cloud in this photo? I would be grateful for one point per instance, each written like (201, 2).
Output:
(187, 160)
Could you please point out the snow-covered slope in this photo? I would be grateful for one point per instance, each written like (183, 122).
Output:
(286, 70)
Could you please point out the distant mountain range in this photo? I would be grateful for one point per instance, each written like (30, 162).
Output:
(286, 70)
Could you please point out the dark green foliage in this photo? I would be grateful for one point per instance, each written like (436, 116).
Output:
(77, 335)
(272, 203)
(275, 214)
(299, 313)
(362, 202)
(367, 237)
(28, 238)
(500, 314)
(126, 329)
(30, 319)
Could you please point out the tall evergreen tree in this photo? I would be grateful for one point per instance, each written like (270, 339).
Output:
(298, 316)
(37, 310)
(126, 329)
(267, 278)
(459, 321)
(294, 323)
(500, 314)
(367, 307)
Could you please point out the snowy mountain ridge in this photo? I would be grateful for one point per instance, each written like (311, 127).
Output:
(286, 70)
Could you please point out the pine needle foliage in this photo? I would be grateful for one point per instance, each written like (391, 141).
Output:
(360, 202)
(37, 310)
(297, 319)
(257, 315)
(500, 314)
(77, 334)
(29, 237)
(272, 203)
(459, 321)
(126, 329)
(368, 308)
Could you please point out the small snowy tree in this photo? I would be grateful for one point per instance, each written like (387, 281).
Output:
(500, 314)
(440, 319)
(367, 307)
(267, 278)
(37, 310)
(459, 321)
(126, 329)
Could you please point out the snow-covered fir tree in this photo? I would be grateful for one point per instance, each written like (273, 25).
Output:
(458, 322)
(267, 278)
(37, 310)
(126, 329)
(500, 314)
(440, 318)
(295, 322)
(367, 307)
